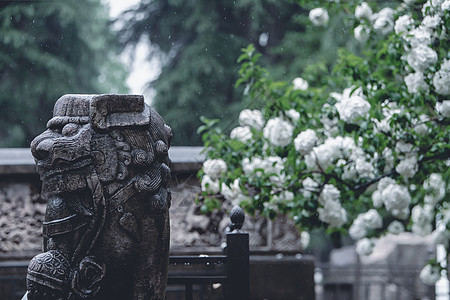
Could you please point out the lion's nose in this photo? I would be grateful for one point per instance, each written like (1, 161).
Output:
(41, 149)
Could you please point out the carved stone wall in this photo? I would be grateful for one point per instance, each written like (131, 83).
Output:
(21, 216)
(22, 211)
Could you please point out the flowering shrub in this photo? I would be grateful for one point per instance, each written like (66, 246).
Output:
(368, 159)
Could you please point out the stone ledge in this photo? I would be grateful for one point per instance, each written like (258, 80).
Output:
(20, 161)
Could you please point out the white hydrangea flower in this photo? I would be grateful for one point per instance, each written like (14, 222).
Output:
(431, 6)
(304, 239)
(387, 11)
(422, 216)
(300, 84)
(358, 229)
(403, 147)
(434, 182)
(402, 24)
(332, 149)
(441, 82)
(441, 79)
(396, 198)
(305, 141)
(390, 108)
(421, 129)
(333, 214)
(388, 158)
(443, 108)
(271, 165)
(329, 193)
(396, 227)
(214, 168)
(336, 96)
(415, 82)
(420, 126)
(421, 57)
(382, 125)
(319, 16)
(418, 36)
(341, 163)
(252, 118)
(311, 161)
(365, 247)
(352, 107)
(210, 185)
(232, 192)
(363, 222)
(309, 186)
(278, 132)
(372, 219)
(440, 235)
(249, 165)
(241, 133)
(350, 172)
(384, 21)
(434, 185)
(445, 5)
(363, 11)
(377, 201)
(431, 22)
(321, 156)
(283, 197)
(430, 274)
(330, 127)
(361, 33)
(408, 166)
(385, 182)
(274, 165)
(364, 168)
(293, 115)
(328, 121)
(270, 206)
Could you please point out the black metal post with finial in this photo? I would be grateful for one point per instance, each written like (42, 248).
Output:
(238, 262)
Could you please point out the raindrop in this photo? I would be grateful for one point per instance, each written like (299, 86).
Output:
(263, 39)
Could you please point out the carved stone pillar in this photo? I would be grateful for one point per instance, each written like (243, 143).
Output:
(105, 173)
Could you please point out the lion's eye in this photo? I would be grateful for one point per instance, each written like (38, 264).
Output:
(70, 129)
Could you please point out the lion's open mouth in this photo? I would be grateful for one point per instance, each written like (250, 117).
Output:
(65, 166)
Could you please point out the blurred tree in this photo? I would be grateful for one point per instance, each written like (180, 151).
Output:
(47, 49)
(199, 42)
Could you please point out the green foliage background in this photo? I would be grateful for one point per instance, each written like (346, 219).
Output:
(47, 49)
(199, 42)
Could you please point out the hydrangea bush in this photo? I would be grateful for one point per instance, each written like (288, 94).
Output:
(369, 158)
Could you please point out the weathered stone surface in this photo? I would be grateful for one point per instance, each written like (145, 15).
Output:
(20, 228)
(105, 176)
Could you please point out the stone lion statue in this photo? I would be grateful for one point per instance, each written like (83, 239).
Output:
(104, 166)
